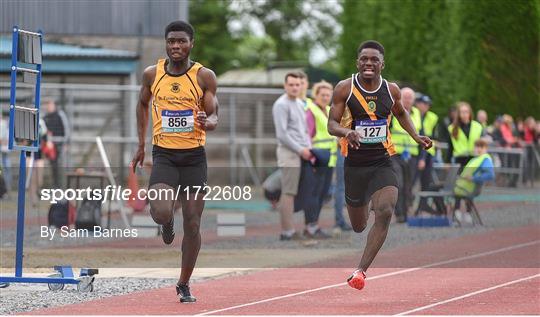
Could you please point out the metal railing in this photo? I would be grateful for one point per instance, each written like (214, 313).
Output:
(245, 136)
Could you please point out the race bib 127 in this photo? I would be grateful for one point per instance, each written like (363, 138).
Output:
(371, 131)
(177, 120)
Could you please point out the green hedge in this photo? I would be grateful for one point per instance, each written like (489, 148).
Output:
(485, 52)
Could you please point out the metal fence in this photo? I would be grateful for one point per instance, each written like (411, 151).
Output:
(244, 140)
(243, 144)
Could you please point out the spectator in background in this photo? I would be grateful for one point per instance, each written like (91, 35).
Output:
(508, 132)
(537, 132)
(57, 124)
(482, 118)
(443, 135)
(508, 138)
(317, 122)
(4, 151)
(477, 171)
(339, 194)
(464, 132)
(293, 146)
(35, 163)
(530, 139)
(304, 86)
(428, 122)
(272, 188)
(406, 161)
(528, 132)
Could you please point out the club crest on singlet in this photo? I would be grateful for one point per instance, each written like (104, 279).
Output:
(372, 106)
(175, 87)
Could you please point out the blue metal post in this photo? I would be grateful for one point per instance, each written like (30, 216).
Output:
(66, 271)
(20, 216)
(14, 46)
(38, 91)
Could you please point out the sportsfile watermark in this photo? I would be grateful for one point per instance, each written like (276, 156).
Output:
(119, 193)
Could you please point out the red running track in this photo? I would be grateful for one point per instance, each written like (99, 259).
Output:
(496, 272)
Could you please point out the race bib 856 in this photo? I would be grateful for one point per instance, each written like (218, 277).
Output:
(371, 131)
(177, 120)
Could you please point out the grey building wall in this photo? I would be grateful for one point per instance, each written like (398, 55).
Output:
(134, 25)
(92, 17)
(148, 48)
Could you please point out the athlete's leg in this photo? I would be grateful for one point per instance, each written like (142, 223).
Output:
(358, 216)
(161, 208)
(192, 209)
(383, 204)
(356, 186)
(164, 179)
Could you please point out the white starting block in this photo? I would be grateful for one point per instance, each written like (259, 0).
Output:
(231, 225)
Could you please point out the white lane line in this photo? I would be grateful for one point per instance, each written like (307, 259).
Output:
(472, 256)
(468, 295)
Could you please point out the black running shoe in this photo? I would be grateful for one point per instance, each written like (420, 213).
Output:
(167, 232)
(182, 290)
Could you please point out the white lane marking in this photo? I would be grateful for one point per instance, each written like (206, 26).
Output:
(472, 256)
(468, 295)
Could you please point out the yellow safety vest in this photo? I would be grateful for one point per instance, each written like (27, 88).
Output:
(401, 139)
(463, 145)
(322, 139)
(429, 123)
(465, 187)
(176, 100)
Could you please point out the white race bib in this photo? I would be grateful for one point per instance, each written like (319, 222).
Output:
(372, 131)
(177, 121)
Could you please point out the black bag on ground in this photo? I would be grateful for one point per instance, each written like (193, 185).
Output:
(88, 215)
(3, 188)
(58, 214)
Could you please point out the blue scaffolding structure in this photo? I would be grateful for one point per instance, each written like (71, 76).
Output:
(24, 137)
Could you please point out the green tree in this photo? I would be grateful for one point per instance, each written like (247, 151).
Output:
(215, 46)
(297, 26)
(254, 51)
(485, 52)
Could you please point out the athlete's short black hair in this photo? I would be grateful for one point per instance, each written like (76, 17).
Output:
(179, 26)
(371, 44)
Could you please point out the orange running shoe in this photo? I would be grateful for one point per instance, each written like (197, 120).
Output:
(357, 280)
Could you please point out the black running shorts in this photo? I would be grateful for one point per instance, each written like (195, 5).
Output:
(179, 167)
(362, 181)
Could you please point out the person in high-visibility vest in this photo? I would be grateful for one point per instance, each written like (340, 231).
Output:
(304, 86)
(428, 122)
(477, 171)
(464, 132)
(406, 160)
(443, 134)
(317, 121)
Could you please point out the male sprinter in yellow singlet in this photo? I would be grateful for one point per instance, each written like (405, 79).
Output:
(184, 107)
(370, 100)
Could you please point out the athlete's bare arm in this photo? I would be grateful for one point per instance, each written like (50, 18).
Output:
(341, 93)
(404, 119)
(208, 118)
(143, 105)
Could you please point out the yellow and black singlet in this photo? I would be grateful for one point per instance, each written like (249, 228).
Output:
(176, 99)
(371, 114)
